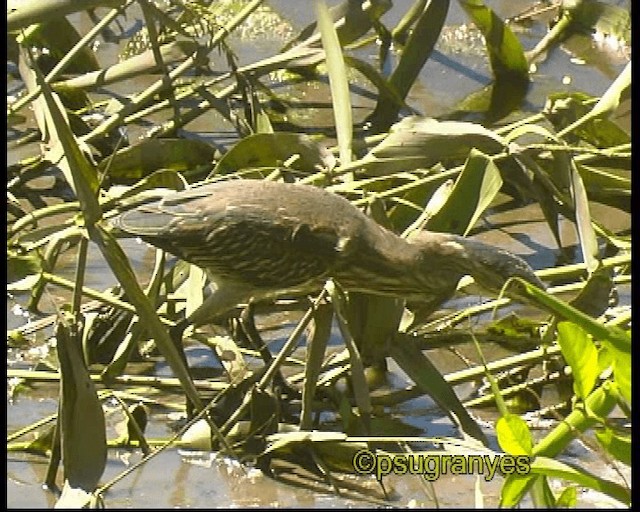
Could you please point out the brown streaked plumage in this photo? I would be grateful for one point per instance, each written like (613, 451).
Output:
(259, 239)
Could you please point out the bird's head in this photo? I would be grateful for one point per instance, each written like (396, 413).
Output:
(490, 266)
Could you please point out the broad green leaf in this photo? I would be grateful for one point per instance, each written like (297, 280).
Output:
(437, 201)
(427, 141)
(140, 160)
(568, 498)
(493, 102)
(474, 190)
(608, 334)
(415, 53)
(581, 354)
(427, 377)
(330, 447)
(594, 297)
(620, 361)
(505, 51)
(514, 488)
(373, 320)
(197, 437)
(622, 373)
(554, 468)
(80, 174)
(83, 436)
(513, 435)
(617, 445)
(608, 102)
(59, 36)
(541, 494)
(299, 151)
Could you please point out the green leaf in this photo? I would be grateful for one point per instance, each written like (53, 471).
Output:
(338, 81)
(581, 354)
(607, 103)
(427, 377)
(493, 101)
(514, 488)
(373, 320)
(599, 403)
(505, 51)
(140, 160)
(621, 362)
(474, 190)
(622, 374)
(610, 335)
(416, 52)
(617, 445)
(568, 498)
(83, 436)
(197, 437)
(319, 332)
(588, 241)
(513, 435)
(554, 468)
(428, 141)
(594, 297)
(80, 174)
(299, 151)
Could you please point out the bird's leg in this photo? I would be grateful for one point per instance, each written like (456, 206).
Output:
(176, 333)
(248, 326)
(221, 300)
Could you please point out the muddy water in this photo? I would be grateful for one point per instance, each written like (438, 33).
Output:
(183, 479)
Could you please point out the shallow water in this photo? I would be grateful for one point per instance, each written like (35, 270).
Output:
(186, 479)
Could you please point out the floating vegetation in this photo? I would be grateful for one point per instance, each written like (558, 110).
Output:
(108, 145)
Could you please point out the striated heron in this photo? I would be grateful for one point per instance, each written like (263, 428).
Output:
(260, 239)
